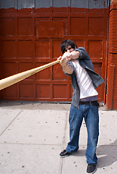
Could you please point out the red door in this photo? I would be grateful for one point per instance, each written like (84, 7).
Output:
(30, 36)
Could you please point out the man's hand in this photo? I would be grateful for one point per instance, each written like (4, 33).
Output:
(63, 62)
(64, 59)
(69, 56)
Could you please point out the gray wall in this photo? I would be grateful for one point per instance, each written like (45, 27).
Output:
(18, 4)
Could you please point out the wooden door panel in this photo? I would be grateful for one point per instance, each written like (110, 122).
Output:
(25, 49)
(95, 49)
(9, 26)
(57, 73)
(78, 26)
(42, 49)
(8, 49)
(60, 91)
(43, 92)
(50, 29)
(95, 26)
(25, 26)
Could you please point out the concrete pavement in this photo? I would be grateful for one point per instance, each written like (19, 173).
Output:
(33, 134)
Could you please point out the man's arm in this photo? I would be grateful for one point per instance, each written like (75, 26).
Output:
(68, 69)
(65, 58)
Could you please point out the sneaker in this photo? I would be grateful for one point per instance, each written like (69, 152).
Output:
(64, 153)
(91, 168)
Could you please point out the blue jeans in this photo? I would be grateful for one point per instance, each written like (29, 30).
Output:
(91, 116)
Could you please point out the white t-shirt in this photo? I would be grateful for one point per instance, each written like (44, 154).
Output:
(84, 81)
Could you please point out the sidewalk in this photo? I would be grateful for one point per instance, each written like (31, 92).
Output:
(33, 134)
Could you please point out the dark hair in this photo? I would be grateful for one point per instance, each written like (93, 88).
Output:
(65, 44)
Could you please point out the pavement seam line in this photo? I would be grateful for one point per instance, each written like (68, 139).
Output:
(27, 144)
(10, 123)
(61, 166)
(63, 143)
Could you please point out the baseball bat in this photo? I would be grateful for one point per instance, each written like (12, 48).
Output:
(4, 83)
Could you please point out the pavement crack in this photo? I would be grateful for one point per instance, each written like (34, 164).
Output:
(11, 122)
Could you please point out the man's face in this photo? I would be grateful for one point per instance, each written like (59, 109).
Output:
(69, 49)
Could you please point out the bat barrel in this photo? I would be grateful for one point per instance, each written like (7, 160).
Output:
(21, 76)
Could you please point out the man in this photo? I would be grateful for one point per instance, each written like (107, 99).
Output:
(77, 64)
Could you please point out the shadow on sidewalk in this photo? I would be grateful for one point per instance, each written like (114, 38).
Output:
(107, 154)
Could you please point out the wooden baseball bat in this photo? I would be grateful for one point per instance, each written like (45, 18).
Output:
(21, 76)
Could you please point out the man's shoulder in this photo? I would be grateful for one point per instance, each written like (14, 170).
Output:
(83, 53)
(80, 48)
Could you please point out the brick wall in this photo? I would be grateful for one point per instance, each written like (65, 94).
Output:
(112, 59)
